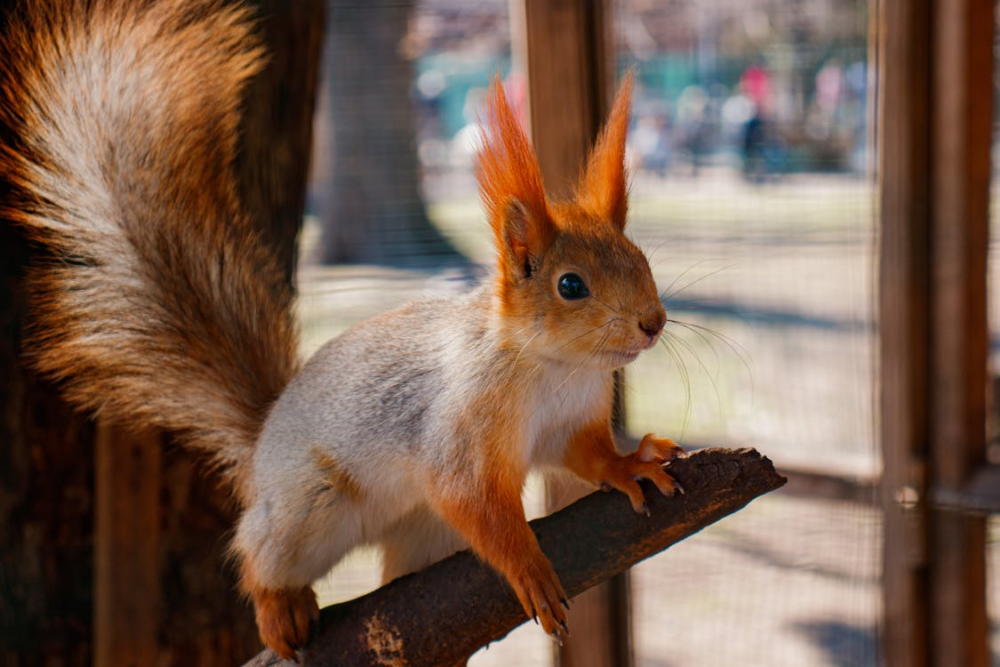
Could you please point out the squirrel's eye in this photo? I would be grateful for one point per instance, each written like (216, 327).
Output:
(572, 287)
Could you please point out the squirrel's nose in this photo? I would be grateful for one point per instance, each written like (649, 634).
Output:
(652, 321)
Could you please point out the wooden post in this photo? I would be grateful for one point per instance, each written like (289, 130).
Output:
(569, 83)
(904, 313)
(126, 547)
(962, 129)
(934, 124)
(566, 54)
(46, 496)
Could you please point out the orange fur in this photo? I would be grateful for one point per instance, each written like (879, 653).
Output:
(592, 455)
(285, 617)
(510, 184)
(603, 187)
(486, 509)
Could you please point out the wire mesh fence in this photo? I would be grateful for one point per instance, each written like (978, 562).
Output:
(753, 196)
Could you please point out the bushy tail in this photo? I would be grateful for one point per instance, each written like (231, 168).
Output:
(156, 304)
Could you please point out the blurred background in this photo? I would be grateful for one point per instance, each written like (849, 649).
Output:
(753, 194)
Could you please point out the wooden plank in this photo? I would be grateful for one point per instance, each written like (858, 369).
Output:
(962, 131)
(904, 311)
(565, 51)
(126, 547)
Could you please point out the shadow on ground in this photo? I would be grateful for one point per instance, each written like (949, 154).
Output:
(845, 645)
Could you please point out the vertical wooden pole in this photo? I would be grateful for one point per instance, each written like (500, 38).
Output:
(126, 547)
(569, 83)
(904, 314)
(570, 72)
(962, 140)
(46, 495)
(935, 137)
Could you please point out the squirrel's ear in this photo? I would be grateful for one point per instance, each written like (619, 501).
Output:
(603, 188)
(510, 184)
(524, 238)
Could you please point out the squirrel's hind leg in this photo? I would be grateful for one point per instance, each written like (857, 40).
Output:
(284, 543)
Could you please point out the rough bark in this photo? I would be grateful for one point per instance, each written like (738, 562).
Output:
(46, 498)
(277, 128)
(442, 615)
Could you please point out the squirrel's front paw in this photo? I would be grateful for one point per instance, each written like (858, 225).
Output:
(285, 618)
(538, 589)
(645, 463)
(656, 449)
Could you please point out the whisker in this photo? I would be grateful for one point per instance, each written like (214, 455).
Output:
(690, 350)
(616, 311)
(526, 343)
(734, 346)
(706, 341)
(686, 377)
(585, 333)
(681, 275)
(696, 281)
(601, 342)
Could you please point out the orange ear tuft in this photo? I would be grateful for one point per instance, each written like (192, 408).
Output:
(603, 188)
(510, 182)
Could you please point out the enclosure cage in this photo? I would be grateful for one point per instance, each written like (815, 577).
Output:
(756, 193)
(812, 182)
(753, 192)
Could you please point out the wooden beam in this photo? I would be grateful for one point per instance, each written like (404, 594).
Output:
(569, 83)
(443, 614)
(904, 70)
(935, 137)
(127, 547)
(566, 55)
(962, 129)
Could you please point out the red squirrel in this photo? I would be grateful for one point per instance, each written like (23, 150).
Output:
(158, 305)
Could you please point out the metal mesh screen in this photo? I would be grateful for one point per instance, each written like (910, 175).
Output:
(753, 196)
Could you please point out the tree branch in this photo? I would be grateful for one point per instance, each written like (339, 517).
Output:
(442, 615)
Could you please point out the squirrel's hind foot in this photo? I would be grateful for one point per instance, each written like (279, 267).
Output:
(286, 618)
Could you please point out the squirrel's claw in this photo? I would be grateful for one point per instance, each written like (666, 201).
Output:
(539, 592)
(286, 619)
(656, 449)
(645, 463)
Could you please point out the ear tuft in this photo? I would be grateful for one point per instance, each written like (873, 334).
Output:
(603, 188)
(510, 182)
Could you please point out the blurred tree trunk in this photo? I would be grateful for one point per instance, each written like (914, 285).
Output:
(46, 498)
(277, 128)
(49, 578)
(370, 204)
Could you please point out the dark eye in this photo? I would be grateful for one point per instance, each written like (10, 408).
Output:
(572, 287)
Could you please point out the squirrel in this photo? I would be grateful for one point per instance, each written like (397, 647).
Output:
(156, 303)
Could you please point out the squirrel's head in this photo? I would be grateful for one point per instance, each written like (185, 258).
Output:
(570, 285)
